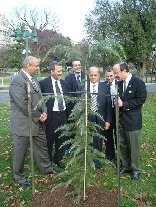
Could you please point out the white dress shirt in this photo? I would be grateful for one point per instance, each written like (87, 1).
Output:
(112, 91)
(55, 107)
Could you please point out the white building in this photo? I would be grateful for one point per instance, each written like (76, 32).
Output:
(4, 31)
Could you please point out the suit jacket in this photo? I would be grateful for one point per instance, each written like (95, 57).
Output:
(47, 87)
(133, 99)
(103, 102)
(73, 83)
(73, 87)
(19, 116)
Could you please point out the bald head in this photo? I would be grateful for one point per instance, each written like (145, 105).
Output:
(31, 65)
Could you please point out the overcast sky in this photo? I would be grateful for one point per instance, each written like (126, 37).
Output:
(71, 13)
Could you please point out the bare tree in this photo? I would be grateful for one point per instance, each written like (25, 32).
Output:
(34, 19)
(31, 19)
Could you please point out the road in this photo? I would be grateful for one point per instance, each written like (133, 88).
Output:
(4, 94)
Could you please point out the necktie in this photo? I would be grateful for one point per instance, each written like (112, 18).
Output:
(94, 100)
(78, 79)
(34, 84)
(124, 86)
(60, 102)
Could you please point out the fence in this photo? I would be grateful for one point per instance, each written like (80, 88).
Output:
(149, 78)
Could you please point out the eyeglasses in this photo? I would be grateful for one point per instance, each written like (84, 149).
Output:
(116, 73)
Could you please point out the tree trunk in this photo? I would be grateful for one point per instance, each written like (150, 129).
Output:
(141, 69)
(104, 63)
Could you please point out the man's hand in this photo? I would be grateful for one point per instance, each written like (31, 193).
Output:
(107, 125)
(43, 117)
(120, 103)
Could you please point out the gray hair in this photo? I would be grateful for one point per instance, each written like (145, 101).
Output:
(53, 64)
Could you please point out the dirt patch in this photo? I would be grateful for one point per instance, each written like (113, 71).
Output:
(94, 198)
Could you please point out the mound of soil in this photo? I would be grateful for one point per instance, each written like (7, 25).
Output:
(94, 198)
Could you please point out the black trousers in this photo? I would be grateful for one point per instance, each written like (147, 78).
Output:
(57, 119)
(97, 141)
(110, 150)
(109, 142)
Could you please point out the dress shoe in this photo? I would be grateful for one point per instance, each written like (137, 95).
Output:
(135, 176)
(25, 184)
(53, 172)
(122, 171)
(61, 165)
(97, 164)
(66, 152)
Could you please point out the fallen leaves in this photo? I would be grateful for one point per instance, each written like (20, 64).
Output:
(123, 178)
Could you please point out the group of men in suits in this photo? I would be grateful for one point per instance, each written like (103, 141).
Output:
(48, 117)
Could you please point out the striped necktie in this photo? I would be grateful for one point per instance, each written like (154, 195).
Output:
(35, 87)
(94, 100)
(60, 102)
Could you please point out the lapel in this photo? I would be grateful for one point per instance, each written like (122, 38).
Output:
(82, 76)
(120, 88)
(74, 78)
(88, 89)
(49, 85)
(100, 91)
(63, 86)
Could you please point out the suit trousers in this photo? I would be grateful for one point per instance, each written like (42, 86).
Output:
(110, 150)
(130, 148)
(57, 119)
(97, 141)
(40, 153)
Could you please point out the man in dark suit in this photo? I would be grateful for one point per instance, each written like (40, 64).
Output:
(132, 95)
(19, 119)
(111, 82)
(57, 115)
(101, 104)
(74, 80)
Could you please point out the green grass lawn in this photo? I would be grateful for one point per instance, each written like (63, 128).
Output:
(133, 194)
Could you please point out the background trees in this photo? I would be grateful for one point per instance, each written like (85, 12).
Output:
(131, 23)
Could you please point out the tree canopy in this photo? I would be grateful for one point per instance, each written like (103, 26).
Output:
(131, 22)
